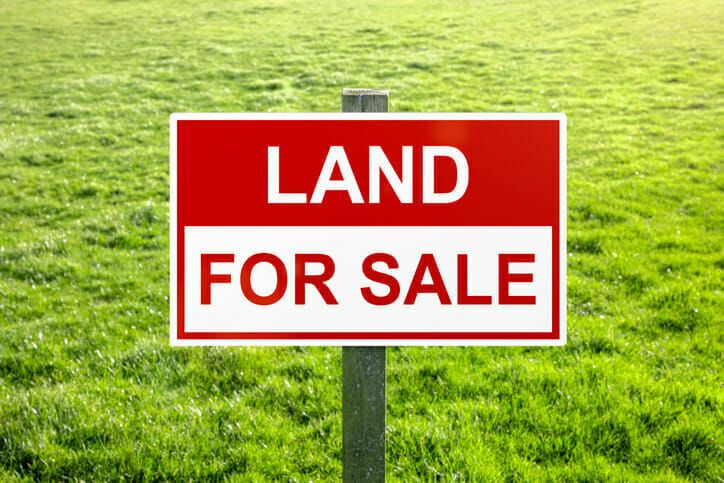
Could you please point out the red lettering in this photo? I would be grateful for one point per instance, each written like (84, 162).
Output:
(302, 279)
(427, 263)
(505, 278)
(245, 279)
(380, 277)
(463, 297)
(207, 278)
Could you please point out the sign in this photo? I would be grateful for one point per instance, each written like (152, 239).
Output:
(368, 229)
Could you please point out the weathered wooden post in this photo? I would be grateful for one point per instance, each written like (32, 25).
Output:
(363, 368)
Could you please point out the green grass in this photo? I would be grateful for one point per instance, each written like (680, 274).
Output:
(89, 387)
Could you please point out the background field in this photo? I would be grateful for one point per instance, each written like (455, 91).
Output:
(89, 387)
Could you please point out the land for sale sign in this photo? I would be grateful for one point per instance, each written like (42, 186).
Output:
(368, 229)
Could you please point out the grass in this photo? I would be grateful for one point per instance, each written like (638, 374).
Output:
(91, 390)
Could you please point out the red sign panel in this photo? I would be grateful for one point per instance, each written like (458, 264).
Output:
(368, 229)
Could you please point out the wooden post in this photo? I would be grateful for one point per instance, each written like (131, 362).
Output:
(363, 368)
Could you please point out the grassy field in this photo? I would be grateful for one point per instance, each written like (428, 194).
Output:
(89, 387)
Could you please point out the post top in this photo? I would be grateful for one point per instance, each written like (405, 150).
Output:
(364, 92)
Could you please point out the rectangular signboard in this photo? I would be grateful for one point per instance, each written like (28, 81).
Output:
(368, 229)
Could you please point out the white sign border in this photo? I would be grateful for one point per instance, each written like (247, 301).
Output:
(392, 116)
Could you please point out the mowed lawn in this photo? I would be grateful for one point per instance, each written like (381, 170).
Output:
(91, 390)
